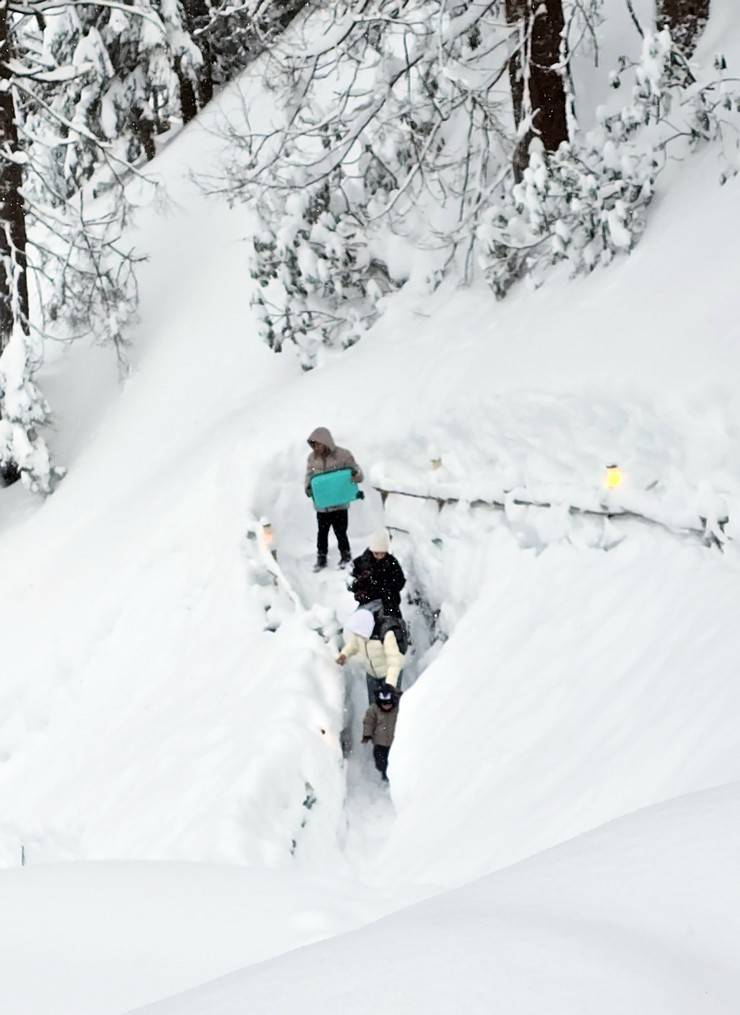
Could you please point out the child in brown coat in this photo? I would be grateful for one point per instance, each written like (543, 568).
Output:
(379, 726)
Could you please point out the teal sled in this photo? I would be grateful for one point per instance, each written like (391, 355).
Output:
(333, 489)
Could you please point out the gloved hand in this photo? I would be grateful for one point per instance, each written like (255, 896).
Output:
(366, 740)
(341, 659)
(360, 494)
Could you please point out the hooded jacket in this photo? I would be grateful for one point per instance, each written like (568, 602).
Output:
(380, 725)
(338, 458)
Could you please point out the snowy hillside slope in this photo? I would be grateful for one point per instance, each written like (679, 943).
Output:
(137, 570)
(147, 713)
(641, 915)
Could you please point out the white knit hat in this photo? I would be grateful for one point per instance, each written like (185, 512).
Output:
(379, 542)
(361, 622)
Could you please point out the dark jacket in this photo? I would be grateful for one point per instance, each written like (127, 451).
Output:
(380, 725)
(387, 576)
(337, 458)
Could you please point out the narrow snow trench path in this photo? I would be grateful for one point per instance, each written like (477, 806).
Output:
(368, 812)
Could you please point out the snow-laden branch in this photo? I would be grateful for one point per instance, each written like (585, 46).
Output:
(104, 147)
(18, 71)
(34, 8)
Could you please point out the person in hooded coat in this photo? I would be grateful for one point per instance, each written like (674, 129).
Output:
(384, 569)
(326, 456)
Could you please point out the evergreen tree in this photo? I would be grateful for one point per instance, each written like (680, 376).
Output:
(136, 66)
(685, 19)
(84, 95)
(587, 202)
(233, 35)
(50, 228)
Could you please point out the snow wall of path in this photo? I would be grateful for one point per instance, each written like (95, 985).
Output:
(580, 685)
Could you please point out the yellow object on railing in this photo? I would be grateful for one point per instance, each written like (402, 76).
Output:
(613, 477)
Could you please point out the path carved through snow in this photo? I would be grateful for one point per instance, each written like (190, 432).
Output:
(368, 807)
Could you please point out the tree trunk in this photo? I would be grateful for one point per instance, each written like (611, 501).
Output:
(536, 82)
(686, 20)
(142, 128)
(196, 13)
(13, 263)
(188, 98)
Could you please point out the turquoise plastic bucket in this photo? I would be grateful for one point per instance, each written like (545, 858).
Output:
(333, 489)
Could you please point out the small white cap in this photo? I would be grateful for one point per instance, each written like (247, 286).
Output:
(361, 622)
(379, 541)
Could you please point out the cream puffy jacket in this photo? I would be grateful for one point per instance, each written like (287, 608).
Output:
(381, 659)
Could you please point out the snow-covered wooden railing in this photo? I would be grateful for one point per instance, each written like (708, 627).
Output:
(712, 530)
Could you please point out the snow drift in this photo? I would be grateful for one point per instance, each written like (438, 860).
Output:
(641, 915)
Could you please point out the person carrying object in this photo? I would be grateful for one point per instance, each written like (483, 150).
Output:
(384, 569)
(377, 638)
(379, 726)
(326, 456)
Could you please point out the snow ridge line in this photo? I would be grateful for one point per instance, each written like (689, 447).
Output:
(710, 531)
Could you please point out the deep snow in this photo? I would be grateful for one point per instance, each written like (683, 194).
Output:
(164, 699)
(642, 915)
(92, 938)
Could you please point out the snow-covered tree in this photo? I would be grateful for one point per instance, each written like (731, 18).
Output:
(23, 451)
(63, 269)
(231, 35)
(587, 201)
(393, 123)
(137, 66)
(86, 89)
(13, 257)
(685, 19)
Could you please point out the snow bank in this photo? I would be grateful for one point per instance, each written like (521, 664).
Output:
(579, 685)
(145, 711)
(641, 915)
(91, 939)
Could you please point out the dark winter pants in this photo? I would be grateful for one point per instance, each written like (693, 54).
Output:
(375, 683)
(337, 520)
(381, 759)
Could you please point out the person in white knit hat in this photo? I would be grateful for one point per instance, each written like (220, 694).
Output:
(384, 569)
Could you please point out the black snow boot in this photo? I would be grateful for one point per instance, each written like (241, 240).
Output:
(320, 562)
(345, 559)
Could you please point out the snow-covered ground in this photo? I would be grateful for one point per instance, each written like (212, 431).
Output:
(169, 696)
(642, 915)
(97, 938)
